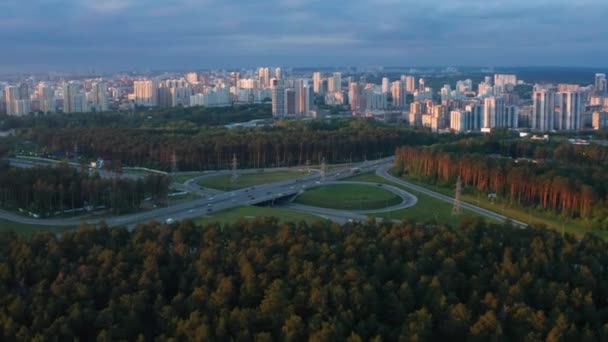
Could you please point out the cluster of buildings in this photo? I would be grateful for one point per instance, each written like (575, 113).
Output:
(69, 97)
(493, 102)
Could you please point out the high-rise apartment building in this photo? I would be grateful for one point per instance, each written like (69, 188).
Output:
(335, 82)
(74, 101)
(146, 93)
(11, 95)
(504, 83)
(46, 96)
(354, 96)
(410, 83)
(571, 106)
(599, 120)
(99, 95)
(278, 98)
(385, 85)
(494, 112)
(601, 84)
(317, 82)
(544, 110)
(399, 94)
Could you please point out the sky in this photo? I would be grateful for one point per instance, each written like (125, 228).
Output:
(63, 35)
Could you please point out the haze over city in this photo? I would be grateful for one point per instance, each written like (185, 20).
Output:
(69, 35)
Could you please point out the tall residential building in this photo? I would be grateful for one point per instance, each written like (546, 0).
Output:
(317, 82)
(504, 83)
(99, 94)
(278, 98)
(494, 112)
(23, 107)
(599, 120)
(264, 76)
(544, 110)
(354, 96)
(415, 117)
(24, 91)
(278, 74)
(601, 84)
(335, 82)
(290, 101)
(192, 77)
(461, 120)
(399, 94)
(385, 85)
(73, 100)
(571, 106)
(476, 111)
(302, 98)
(146, 93)
(11, 95)
(410, 83)
(46, 96)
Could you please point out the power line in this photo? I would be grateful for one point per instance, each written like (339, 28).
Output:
(457, 209)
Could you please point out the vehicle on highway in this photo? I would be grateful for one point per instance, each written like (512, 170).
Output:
(169, 221)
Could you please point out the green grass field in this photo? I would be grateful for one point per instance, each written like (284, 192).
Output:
(516, 212)
(28, 230)
(426, 209)
(244, 181)
(250, 212)
(349, 197)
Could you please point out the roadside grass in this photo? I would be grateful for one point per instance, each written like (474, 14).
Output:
(28, 230)
(514, 211)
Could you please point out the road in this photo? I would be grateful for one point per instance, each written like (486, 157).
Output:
(219, 202)
(383, 172)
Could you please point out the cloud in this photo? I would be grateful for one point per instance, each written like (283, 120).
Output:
(64, 33)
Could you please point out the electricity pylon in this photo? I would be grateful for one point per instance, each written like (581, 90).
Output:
(457, 209)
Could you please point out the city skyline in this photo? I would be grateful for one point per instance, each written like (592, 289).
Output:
(116, 35)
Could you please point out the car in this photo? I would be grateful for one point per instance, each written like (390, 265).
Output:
(169, 221)
(211, 198)
(350, 221)
(191, 210)
(208, 204)
(318, 182)
(269, 193)
(208, 209)
(378, 184)
(292, 188)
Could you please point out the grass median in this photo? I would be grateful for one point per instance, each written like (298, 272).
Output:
(226, 183)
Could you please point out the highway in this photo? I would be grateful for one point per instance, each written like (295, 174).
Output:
(206, 206)
(216, 201)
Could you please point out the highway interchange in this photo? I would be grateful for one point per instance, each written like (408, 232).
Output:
(214, 201)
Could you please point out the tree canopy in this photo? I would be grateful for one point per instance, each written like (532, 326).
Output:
(258, 280)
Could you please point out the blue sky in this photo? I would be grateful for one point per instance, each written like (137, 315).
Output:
(121, 34)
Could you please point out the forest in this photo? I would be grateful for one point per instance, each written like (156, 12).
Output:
(141, 118)
(285, 144)
(48, 190)
(566, 179)
(263, 281)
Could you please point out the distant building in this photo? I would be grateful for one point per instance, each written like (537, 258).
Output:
(278, 98)
(544, 110)
(601, 84)
(146, 93)
(599, 120)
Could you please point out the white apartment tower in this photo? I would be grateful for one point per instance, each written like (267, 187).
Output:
(146, 93)
(543, 110)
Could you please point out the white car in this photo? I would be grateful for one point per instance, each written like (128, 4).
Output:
(169, 221)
